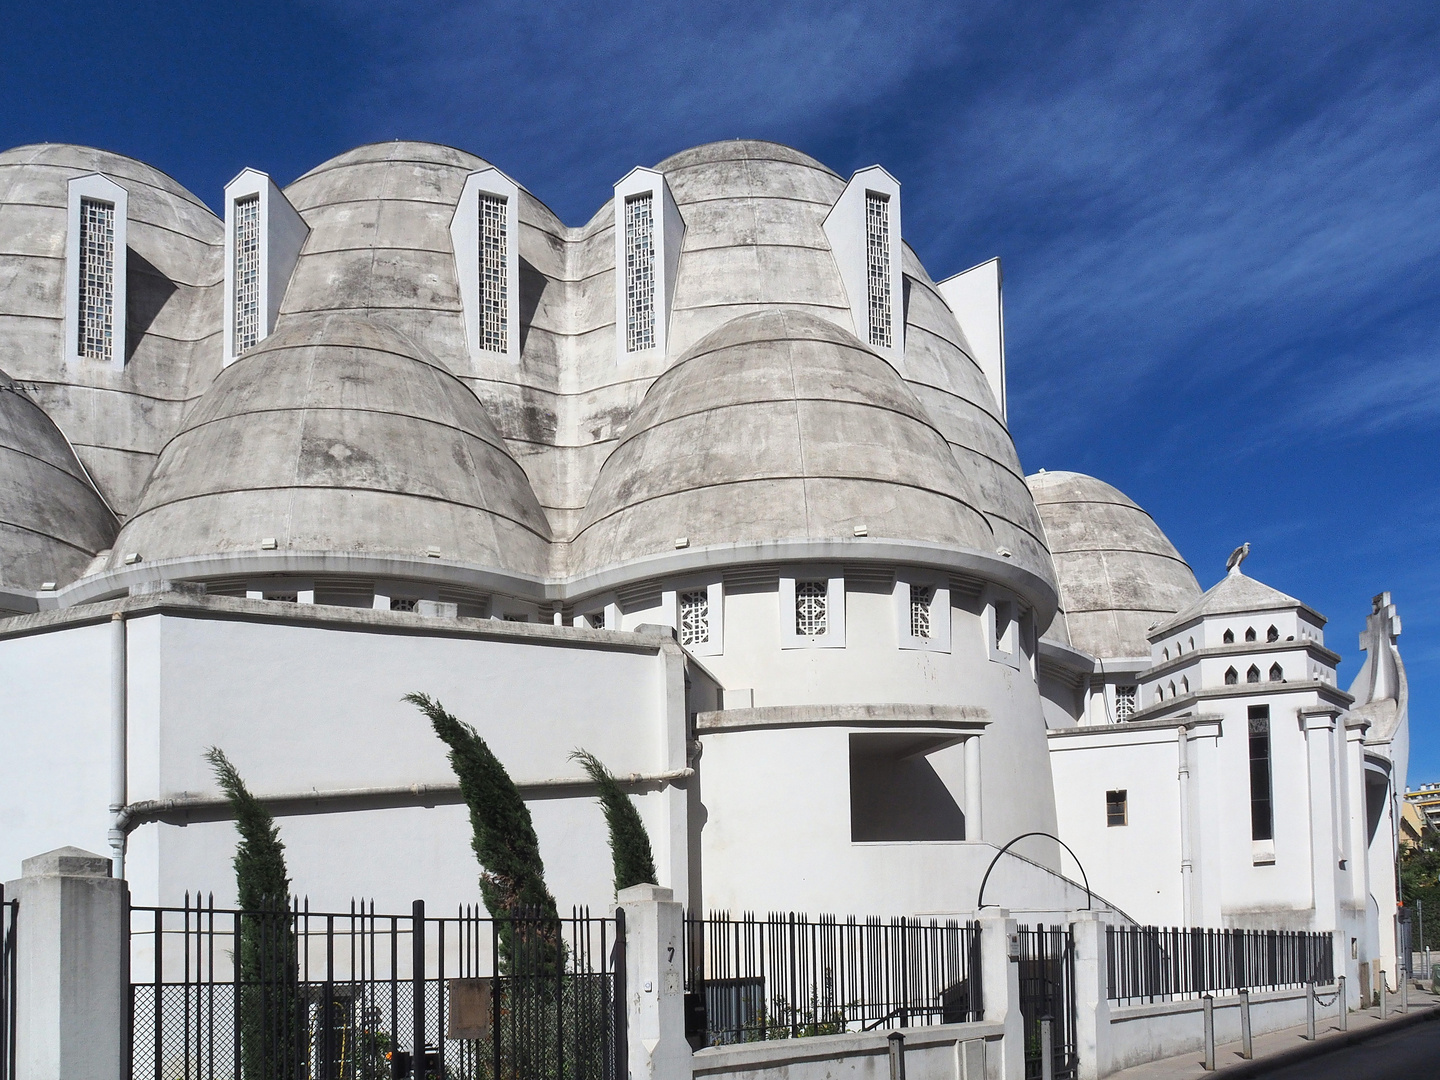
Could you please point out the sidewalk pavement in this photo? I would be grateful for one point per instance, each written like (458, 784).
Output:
(1289, 1045)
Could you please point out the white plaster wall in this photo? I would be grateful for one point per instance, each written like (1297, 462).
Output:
(54, 744)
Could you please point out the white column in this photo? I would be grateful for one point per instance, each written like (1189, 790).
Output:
(1319, 730)
(655, 984)
(1187, 860)
(1092, 1003)
(1000, 987)
(974, 828)
(70, 968)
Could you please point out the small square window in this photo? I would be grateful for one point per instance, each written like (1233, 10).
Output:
(810, 608)
(1117, 808)
(403, 603)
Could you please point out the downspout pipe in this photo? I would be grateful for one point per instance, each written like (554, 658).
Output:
(1187, 863)
(119, 719)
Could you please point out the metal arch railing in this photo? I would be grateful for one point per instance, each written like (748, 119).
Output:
(980, 897)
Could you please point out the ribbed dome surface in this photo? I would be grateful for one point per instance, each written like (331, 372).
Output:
(1119, 574)
(52, 523)
(340, 434)
(117, 419)
(778, 425)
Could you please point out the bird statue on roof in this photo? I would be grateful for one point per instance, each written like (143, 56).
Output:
(1232, 564)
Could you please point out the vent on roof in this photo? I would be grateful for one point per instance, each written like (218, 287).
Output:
(639, 596)
(869, 578)
(762, 577)
(966, 587)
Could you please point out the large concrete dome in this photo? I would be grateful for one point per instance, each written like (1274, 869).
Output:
(778, 425)
(117, 418)
(339, 434)
(52, 522)
(1119, 574)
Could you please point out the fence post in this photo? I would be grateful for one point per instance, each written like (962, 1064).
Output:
(1383, 988)
(1310, 1011)
(1092, 996)
(1047, 1048)
(1209, 1033)
(72, 1007)
(655, 985)
(1404, 995)
(897, 1055)
(417, 989)
(1247, 1049)
(1000, 983)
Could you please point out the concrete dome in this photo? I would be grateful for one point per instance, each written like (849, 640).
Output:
(1119, 574)
(117, 419)
(339, 434)
(778, 425)
(52, 523)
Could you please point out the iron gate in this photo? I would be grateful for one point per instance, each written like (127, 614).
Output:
(1047, 990)
(358, 995)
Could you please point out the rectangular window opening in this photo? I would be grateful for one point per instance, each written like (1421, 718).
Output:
(810, 608)
(97, 280)
(247, 273)
(695, 617)
(494, 275)
(1117, 808)
(877, 266)
(920, 600)
(1125, 698)
(1262, 820)
(639, 273)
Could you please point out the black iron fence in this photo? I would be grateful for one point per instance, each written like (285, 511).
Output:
(1151, 963)
(219, 994)
(9, 918)
(1047, 993)
(788, 976)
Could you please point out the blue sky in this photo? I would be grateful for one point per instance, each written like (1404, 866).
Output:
(1220, 223)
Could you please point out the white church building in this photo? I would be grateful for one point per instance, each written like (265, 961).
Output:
(717, 485)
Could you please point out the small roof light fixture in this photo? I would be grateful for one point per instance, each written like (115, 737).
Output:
(432, 552)
(47, 586)
(862, 530)
(1004, 553)
(682, 542)
(267, 543)
(132, 558)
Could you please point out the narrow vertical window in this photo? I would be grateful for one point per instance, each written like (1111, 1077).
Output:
(1125, 702)
(247, 273)
(494, 287)
(97, 280)
(1229, 638)
(920, 599)
(1277, 673)
(1253, 675)
(639, 273)
(810, 614)
(1232, 677)
(877, 266)
(1262, 823)
(695, 617)
(1117, 808)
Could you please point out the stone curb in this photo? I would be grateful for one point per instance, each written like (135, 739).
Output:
(1320, 1047)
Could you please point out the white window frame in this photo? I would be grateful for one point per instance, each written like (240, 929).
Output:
(266, 588)
(940, 617)
(98, 188)
(465, 241)
(1003, 648)
(715, 594)
(282, 234)
(834, 636)
(847, 230)
(667, 237)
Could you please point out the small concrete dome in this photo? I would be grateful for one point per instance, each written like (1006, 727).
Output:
(778, 425)
(52, 523)
(1119, 574)
(339, 434)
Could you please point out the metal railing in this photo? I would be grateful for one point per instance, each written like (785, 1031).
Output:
(1047, 994)
(359, 995)
(9, 927)
(787, 976)
(1151, 963)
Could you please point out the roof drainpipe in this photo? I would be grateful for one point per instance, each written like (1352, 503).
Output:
(1186, 862)
(119, 795)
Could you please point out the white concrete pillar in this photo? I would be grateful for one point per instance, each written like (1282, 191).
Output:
(974, 827)
(70, 968)
(1092, 1000)
(655, 984)
(1000, 985)
(1319, 727)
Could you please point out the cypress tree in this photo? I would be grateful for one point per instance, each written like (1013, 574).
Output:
(512, 878)
(271, 1040)
(629, 842)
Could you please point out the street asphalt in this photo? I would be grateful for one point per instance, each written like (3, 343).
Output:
(1412, 1053)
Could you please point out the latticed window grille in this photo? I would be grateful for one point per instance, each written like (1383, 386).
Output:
(920, 598)
(247, 273)
(97, 280)
(877, 266)
(494, 280)
(639, 273)
(695, 618)
(810, 602)
(1125, 697)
